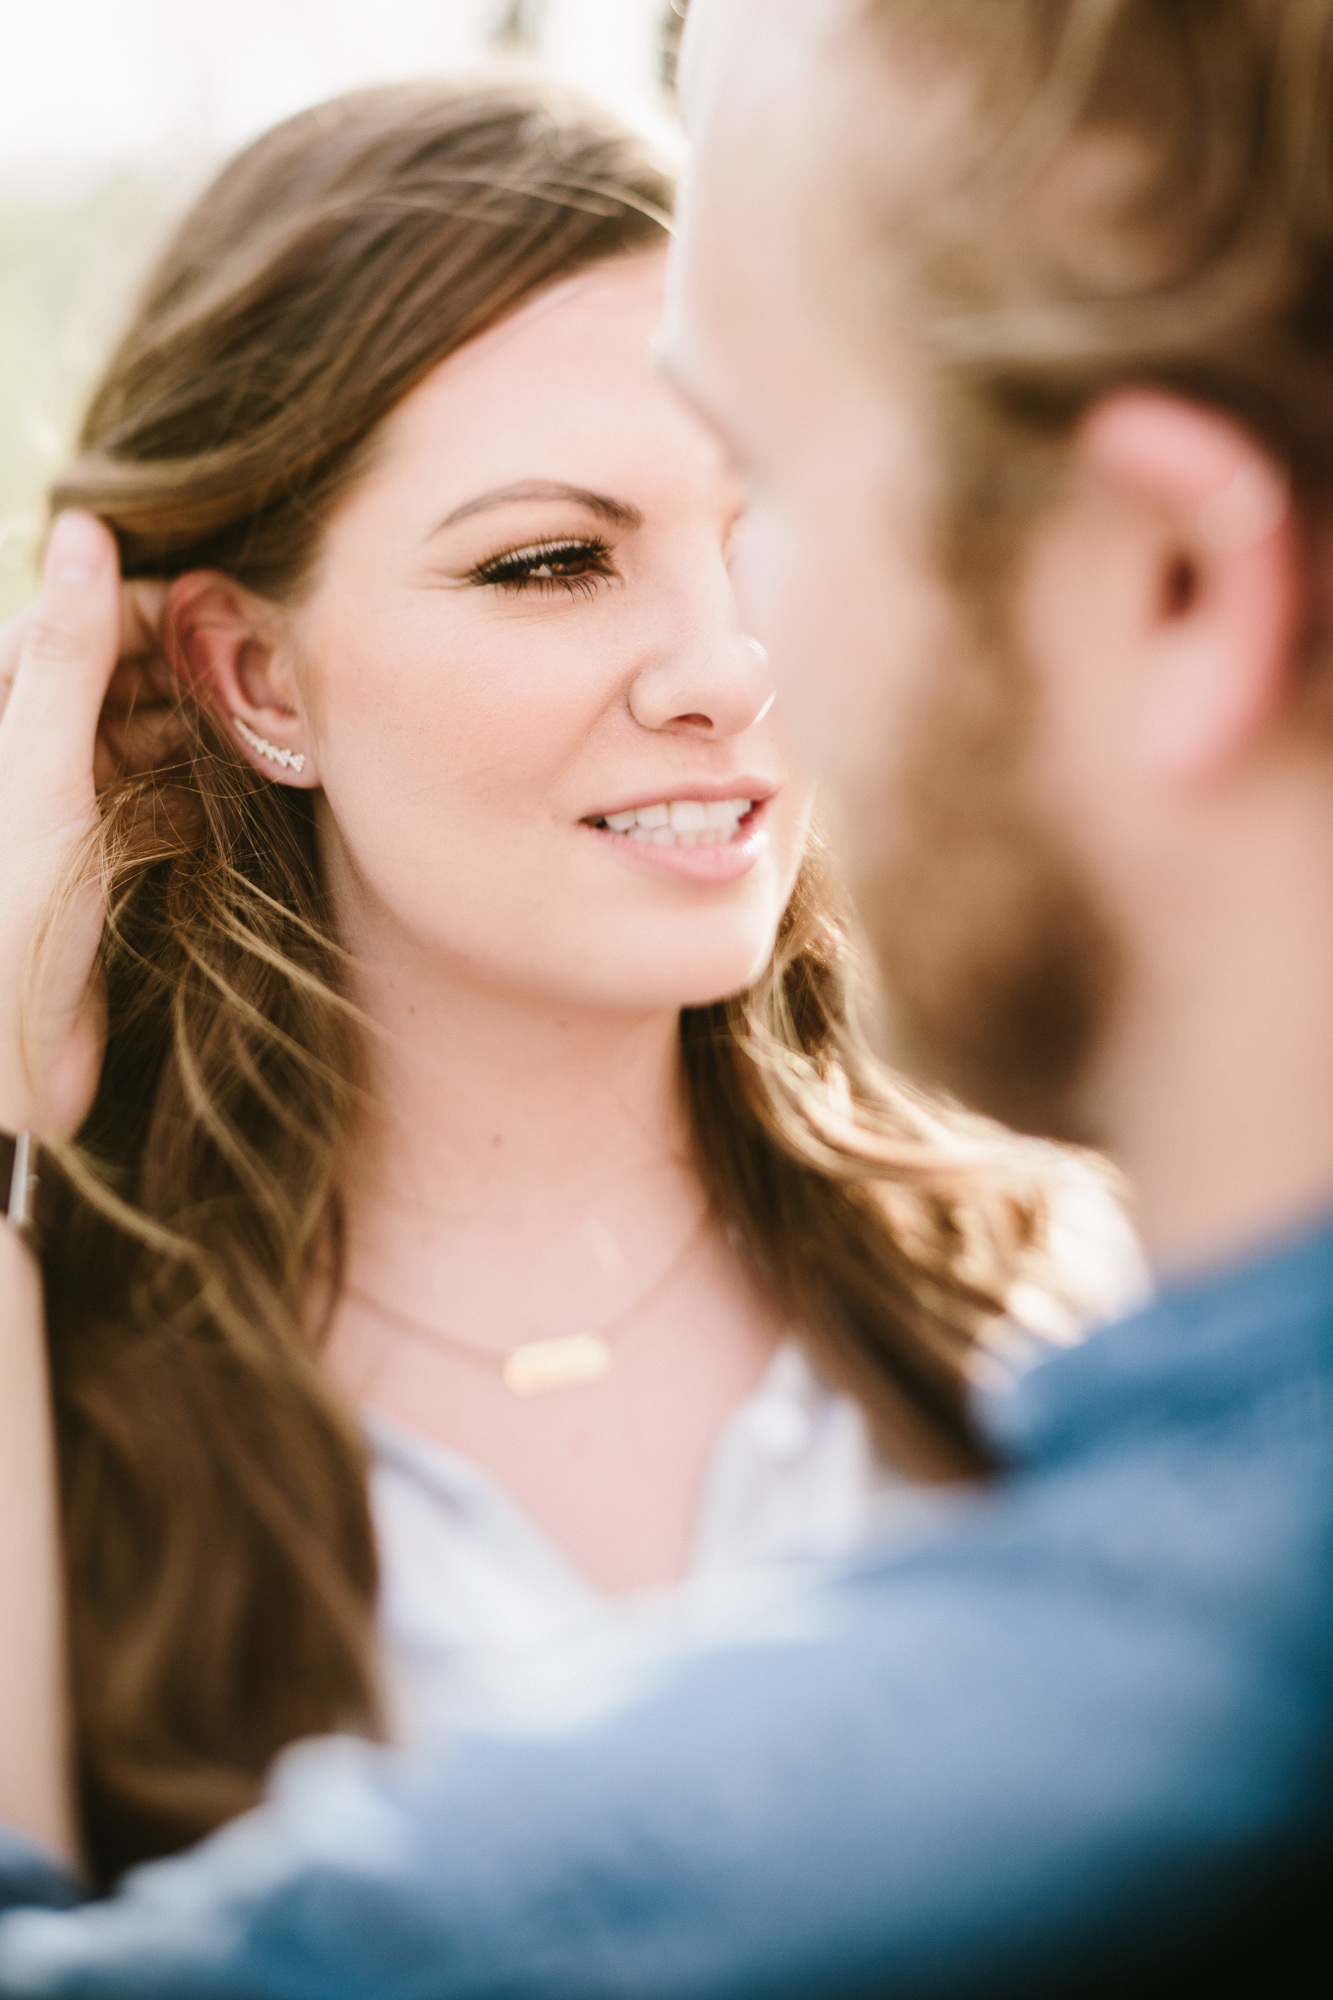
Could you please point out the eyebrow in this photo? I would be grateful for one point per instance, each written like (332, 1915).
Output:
(619, 513)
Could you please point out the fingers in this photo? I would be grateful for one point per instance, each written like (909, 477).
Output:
(138, 723)
(141, 607)
(12, 635)
(66, 654)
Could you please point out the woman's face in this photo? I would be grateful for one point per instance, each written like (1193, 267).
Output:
(542, 736)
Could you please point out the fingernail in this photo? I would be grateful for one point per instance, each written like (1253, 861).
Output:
(76, 549)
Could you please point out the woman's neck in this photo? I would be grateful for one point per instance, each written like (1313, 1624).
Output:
(528, 1176)
(526, 1173)
(516, 1152)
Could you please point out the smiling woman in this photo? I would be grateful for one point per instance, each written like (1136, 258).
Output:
(487, 1182)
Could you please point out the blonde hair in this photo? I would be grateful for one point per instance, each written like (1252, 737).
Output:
(221, 1562)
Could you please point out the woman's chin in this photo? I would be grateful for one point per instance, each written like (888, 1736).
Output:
(667, 987)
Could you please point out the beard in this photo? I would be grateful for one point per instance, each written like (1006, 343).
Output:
(998, 964)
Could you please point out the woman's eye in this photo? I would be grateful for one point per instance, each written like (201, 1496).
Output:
(569, 566)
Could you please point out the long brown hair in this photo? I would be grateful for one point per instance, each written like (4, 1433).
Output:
(220, 1557)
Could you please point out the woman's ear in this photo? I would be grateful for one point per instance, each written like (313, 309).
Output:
(234, 652)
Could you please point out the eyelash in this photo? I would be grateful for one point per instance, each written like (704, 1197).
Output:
(513, 572)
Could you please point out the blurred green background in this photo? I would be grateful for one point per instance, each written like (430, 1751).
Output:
(67, 272)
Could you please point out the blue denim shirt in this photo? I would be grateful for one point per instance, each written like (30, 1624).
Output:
(1104, 1697)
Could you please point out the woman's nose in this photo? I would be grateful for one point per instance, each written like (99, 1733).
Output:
(719, 684)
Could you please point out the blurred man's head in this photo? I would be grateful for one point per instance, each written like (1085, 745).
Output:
(1018, 320)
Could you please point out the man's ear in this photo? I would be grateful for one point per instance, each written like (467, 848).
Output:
(234, 651)
(1221, 619)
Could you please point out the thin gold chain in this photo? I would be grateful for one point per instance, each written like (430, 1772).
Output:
(493, 1358)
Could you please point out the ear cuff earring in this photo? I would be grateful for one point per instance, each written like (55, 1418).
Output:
(291, 760)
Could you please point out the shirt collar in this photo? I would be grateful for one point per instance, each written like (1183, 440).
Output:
(1198, 1352)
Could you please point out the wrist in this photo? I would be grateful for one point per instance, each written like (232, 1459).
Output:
(19, 1267)
(23, 1200)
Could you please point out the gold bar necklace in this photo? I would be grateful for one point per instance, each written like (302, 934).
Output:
(537, 1367)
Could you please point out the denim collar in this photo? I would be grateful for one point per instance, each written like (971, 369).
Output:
(1200, 1353)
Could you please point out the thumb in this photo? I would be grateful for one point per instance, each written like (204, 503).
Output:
(67, 656)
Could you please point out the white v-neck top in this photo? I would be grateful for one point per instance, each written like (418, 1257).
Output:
(475, 1600)
(484, 1620)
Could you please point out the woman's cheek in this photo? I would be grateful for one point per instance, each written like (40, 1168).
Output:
(432, 768)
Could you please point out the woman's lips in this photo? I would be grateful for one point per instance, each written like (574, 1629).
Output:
(719, 859)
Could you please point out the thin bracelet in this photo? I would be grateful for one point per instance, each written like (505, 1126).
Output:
(19, 1185)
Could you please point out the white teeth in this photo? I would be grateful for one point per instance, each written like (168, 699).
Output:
(682, 822)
